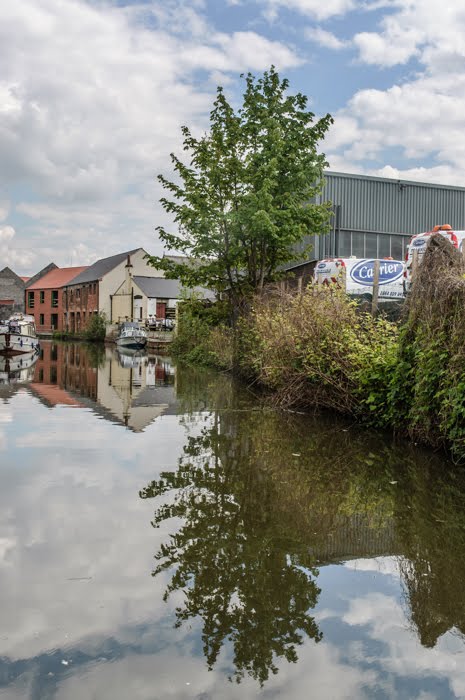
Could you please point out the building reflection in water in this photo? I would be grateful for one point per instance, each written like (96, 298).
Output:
(129, 388)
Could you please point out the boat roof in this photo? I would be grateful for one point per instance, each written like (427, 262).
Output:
(25, 318)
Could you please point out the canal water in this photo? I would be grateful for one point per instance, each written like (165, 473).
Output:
(163, 535)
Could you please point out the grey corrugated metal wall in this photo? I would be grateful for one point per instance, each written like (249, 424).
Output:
(379, 205)
(390, 206)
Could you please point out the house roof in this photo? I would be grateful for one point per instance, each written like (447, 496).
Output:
(159, 287)
(162, 288)
(8, 272)
(57, 278)
(25, 279)
(102, 267)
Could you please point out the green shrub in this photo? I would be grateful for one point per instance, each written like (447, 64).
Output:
(95, 329)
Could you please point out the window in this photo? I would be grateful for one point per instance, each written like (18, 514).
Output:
(371, 245)
(78, 293)
(358, 244)
(344, 247)
(54, 352)
(54, 320)
(384, 246)
(42, 296)
(41, 320)
(396, 247)
(54, 298)
(30, 300)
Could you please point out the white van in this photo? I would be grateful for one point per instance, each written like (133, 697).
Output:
(419, 242)
(355, 276)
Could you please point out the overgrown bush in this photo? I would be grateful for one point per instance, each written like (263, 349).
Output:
(316, 349)
(428, 384)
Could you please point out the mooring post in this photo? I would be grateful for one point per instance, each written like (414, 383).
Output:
(414, 264)
(375, 294)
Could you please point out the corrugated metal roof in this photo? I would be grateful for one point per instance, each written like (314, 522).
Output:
(158, 287)
(162, 288)
(100, 268)
(59, 277)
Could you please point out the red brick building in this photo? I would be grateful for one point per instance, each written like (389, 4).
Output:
(44, 298)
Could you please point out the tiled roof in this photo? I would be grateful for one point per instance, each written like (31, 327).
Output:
(57, 278)
(102, 267)
(25, 279)
(53, 395)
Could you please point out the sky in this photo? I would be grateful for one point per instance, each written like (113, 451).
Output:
(93, 95)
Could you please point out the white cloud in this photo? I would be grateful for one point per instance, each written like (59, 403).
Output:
(312, 8)
(6, 233)
(404, 656)
(381, 565)
(423, 115)
(325, 38)
(92, 99)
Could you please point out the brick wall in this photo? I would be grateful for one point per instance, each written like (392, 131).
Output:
(80, 302)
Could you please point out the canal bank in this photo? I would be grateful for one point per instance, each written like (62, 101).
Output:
(317, 349)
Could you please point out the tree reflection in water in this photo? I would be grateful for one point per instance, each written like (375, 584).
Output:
(243, 569)
(265, 498)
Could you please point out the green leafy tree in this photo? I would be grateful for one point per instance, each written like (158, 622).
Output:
(96, 327)
(244, 198)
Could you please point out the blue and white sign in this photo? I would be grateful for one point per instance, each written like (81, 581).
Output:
(360, 275)
(419, 242)
(389, 271)
(356, 276)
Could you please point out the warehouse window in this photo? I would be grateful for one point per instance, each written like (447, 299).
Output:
(371, 245)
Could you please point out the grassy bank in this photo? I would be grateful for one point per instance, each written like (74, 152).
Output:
(318, 350)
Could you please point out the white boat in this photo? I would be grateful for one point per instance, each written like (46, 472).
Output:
(130, 357)
(131, 335)
(18, 335)
(18, 368)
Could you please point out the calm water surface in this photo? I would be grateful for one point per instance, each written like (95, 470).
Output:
(163, 536)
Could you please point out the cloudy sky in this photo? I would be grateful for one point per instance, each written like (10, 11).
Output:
(93, 94)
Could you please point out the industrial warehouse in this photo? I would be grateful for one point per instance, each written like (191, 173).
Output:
(375, 217)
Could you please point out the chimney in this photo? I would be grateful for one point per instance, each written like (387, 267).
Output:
(128, 275)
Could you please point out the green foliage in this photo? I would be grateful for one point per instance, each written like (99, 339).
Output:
(62, 335)
(245, 196)
(95, 329)
(202, 336)
(427, 397)
(317, 349)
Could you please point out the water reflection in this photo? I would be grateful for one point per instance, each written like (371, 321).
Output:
(291, 552)
(132, 389)
(264, 500)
